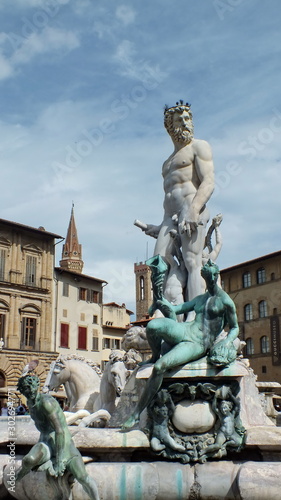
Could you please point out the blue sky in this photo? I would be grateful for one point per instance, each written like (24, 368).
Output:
(83, 85)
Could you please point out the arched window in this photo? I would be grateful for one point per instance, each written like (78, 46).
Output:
(246, 279)
(272, 276)
(261, 275)
(249, 346)
(2, 379)
(264, 342)
(28, 332)
(248, 312)
(30, 314)
(262, 309)
(141, 287)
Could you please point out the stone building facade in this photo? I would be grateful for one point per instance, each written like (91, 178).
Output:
(78, 314)
(26, 298)
(83, 325)
(255, 287)
(47, 310)
(115, 323)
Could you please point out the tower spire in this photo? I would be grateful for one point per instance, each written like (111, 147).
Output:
(72, 250)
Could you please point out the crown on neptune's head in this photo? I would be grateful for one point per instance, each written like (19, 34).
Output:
(180, 106)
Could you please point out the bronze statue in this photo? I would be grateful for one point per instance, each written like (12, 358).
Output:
(55, 452)
(189, 341)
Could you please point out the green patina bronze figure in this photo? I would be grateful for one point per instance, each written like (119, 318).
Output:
(159, 269)
(189, 341)
(55, 452)
(231, 433)
(159, 412)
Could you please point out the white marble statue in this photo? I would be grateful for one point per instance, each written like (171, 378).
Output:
(92, 396)
(135, 338)
(80, 380)
(188, 176)
(212, 251)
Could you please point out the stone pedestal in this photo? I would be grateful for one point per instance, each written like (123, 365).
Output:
(252, 413)
(37, 485)
(224, 480)
(201, 411)
(123, 464)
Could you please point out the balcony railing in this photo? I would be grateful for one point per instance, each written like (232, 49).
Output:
(14, 278)
(35, 283)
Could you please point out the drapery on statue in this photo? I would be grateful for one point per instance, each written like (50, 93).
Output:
(55, 452)
(188, 185)
(189, 341)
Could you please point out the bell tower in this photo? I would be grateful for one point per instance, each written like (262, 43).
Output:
(72, 250)
(143, 290)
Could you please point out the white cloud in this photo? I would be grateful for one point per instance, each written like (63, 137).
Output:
(126, 57)
(125, 52)
(27, 3)
(47, 41)
(103, 30)
(131, 66)
(125, 14)
(119, 274)
(13, 138)
(232, 83)
(36, 3)
(81, 7)
(16, 50)
(110, 27)
(6, 68)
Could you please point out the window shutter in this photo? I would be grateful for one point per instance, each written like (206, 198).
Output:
(82, 337)
(64, 331)
(2, 263)
(30, 270)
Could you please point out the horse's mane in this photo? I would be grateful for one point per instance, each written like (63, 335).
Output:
(116, 355)
(77, 357)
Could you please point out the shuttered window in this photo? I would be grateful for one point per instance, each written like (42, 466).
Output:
(82, 337)
(64, 334)
(2, 263)
(30, 277)
(95, 344)
(82, 294)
